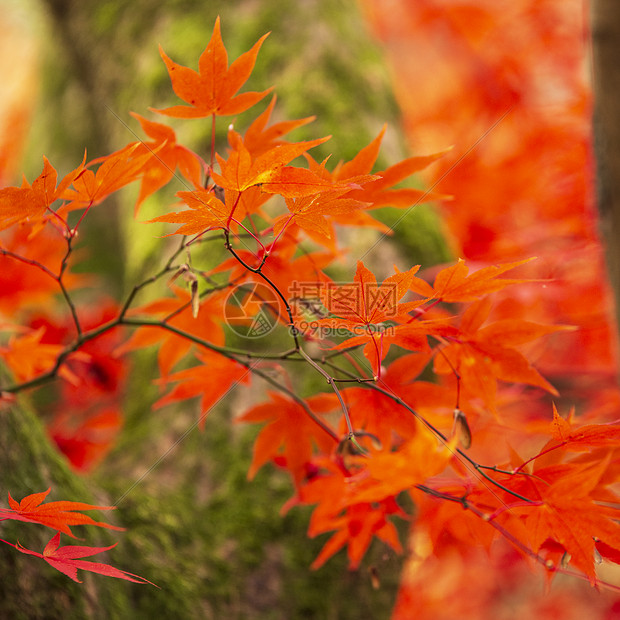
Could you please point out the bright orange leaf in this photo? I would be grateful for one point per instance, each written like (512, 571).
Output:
(212, 89)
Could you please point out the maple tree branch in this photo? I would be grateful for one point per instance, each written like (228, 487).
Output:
(168, 267)
(257, 271)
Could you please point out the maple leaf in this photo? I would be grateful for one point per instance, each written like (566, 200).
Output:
(309, 212)
(484, 355)
(115, 171)
(568, 514)
(355, 524)
(376, 190)
(580, 439)
(66, 560)
(31, 202)
(289, 432)
(27, 357)
(172, 347)
(363, 306)
(386, 473)
(23, 285)
(269, 170)
(258, 139)
(212, 90)
(86, 442)
(56, 515)
(583, 437)
(170, 155)
(381, 417)
(211, 381)
(206, 211)
(453, 284)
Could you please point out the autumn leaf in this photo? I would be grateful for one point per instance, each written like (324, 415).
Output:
(66, 560)
(241, 171)
(483, 355)
(387, 472)
(56, 515)
(363, 306)
(176, 312)
(575, 439)
(169, 156)
(378, 415)
(289, 433)
(568, 514)
(31, 202)
(259, 138)
(212, 380)
(212, 90)
(115, 171)
(378, 192)
(309, 212)
(86, 442)
(355, 525)
(27, 357)
(453, 284)
(24, 283)
(206, 211)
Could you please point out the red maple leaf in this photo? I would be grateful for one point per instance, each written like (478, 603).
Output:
(482, 355)
(66, 560)
(57, 515)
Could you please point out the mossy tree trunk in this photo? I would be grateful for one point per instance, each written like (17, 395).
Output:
(605, 26)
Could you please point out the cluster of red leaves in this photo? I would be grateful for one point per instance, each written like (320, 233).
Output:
(354, 452)
(60, 516)
(521, 177)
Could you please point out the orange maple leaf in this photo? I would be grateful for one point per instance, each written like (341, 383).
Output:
(484, 355)
(170, 155)
(259, 139)
(206, 211)
(309, 212)
(377, 192)
(363, 306)
(453, 284)
(65, 560)
(27, 357)
(31, 202)
(355, 525)
(172, 347)
(212, 89)
(211, 381)
(290, 433)
(568, 513)
(386, 472)
(269, 170)
(56, 515)
(24, 284)
(115, 171)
